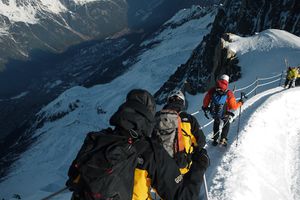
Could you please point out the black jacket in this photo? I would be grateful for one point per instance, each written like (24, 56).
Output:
(165, 175)
(135, 119)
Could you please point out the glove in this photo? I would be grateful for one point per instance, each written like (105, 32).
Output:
(201, 158)
(74, 185)
(230, 119)
(205, 109)
(74, 177)
(241, 101)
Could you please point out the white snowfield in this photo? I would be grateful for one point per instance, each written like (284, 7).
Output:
(26, 10)
(264, 165)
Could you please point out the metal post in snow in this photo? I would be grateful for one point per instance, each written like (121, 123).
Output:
(280, 82)
(286, 63)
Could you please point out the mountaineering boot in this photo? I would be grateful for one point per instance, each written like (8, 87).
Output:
(214, 143)
(223, 141)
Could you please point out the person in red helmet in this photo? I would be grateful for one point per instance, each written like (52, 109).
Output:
(218, 101)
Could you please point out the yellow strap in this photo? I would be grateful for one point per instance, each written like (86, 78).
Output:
(77, 179)
(180, 136)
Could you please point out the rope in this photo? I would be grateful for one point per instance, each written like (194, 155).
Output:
(246, 87)
(195, 112)
(207, 124)
(269, 82)
(258, 79)
(268, 78)
(252, 90)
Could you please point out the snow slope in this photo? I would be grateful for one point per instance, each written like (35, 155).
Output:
(264, 157)
(265, 164)
(86, 1)
(80, 110)
(248, 171)
(25, 11)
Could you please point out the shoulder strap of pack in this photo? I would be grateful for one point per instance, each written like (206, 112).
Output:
(180, 143)
(216, 91)
(180, 136)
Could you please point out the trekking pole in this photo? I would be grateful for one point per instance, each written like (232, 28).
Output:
(243, 95)
(205, 187)
(256, 85)
(55, 194)
(205, 114)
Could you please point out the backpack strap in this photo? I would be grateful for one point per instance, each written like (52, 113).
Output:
(180, 136)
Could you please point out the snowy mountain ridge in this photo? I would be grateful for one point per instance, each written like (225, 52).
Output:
(27, 10)
(65, 121)
(264, 162)
(54, 25)
(267, 40)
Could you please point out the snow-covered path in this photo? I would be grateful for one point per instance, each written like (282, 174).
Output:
(265, 164)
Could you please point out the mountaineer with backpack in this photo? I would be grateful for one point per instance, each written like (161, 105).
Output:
(110, 162)
(218, 101)
(179, 134)
(178, 131)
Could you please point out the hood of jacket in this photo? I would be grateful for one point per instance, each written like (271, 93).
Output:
(178, 106)
(222, 84)
(136, 115)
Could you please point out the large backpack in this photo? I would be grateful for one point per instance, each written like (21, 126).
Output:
(218, 103)
(105, 166)
(168, 129)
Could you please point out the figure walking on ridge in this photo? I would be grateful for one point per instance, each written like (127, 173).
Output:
(177, 129)
(218, 101)
(291, 77)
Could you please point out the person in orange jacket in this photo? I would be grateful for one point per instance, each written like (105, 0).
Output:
(218, 101)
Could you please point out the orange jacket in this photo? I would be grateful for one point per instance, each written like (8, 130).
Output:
(231, 102)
